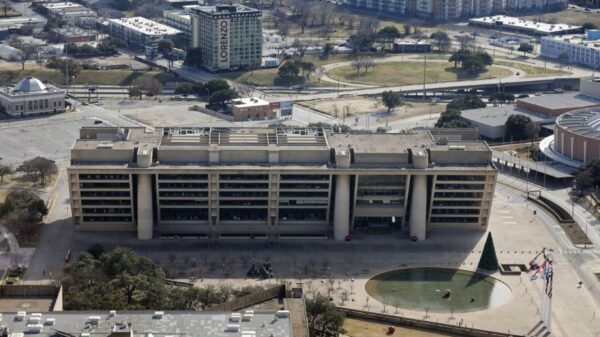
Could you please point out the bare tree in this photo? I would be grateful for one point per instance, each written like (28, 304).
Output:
(301, 46)
(5, 6)
(357, 64)
(368, 63)
(319, 73)
(284, 30)
(27, 52)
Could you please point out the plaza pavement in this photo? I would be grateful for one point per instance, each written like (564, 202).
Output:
(518, 235)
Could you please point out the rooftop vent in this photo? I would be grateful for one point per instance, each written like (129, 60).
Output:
(456, 148)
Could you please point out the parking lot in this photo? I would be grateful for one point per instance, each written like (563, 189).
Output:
(50, 137)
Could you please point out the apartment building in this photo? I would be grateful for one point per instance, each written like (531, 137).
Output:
(278, 182)
(389, 6)
(445, 10)
(230, 36)
(583, 49)
(179, 19)
(140, 32)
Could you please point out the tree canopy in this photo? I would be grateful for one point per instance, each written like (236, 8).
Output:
(323, 317)
(468, 101)
(193, 57)
(389, 32)
(122, 280)
(519, 127)
(391, 99)
(218, 100)
(471, 63)
(451, 119)
(525, 48)
(589, 175)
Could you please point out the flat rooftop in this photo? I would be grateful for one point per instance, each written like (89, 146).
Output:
(535, 26)
(146, 26)
(561, 101)
(143, 323)
(128, 138)
(226, 9)
(73, 31)
(382, 142)
(62, 5)
(577, 39)
(496, 116)
(411, 42)
(284, 148)
(248, 102)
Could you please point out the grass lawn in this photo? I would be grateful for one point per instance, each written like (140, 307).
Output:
(532, 71)
(363, 328)
(265, 77)
(100, 77)
(568, 16)
(404, 73)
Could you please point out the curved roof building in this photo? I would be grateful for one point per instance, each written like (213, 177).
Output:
(30, 84)
(31, 97)
(577, 135)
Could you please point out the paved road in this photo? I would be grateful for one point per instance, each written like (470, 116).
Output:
(56, 238)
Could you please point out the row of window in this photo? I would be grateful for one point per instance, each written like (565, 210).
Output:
(37, 104)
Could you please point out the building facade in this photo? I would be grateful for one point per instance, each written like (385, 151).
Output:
(30, 97)
(574, 49)
(251, 108)
(278, 183)
(179, 19)
(445, 10)
(389, 6)
(140, 32)
(229, 36)
(577, 135)
(522, 26)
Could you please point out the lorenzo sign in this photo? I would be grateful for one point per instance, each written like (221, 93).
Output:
(223, 33)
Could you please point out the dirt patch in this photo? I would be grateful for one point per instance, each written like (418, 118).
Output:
(353, 106)
(521, 150)
(362, 328)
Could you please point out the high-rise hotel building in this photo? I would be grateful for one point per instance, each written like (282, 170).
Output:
(278, 182)
(229, 36)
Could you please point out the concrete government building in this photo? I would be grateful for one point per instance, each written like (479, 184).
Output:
(278, 182)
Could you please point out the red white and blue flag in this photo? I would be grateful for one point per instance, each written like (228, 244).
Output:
(540, 271)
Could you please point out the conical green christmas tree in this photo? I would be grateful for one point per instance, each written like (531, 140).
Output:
(489, 260)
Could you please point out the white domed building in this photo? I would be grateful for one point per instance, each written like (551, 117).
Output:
(30, 97)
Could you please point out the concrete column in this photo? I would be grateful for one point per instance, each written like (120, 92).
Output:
(341, 213)
(145, 223)
(418, 207)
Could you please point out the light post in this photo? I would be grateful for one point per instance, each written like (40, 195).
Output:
(424, 75)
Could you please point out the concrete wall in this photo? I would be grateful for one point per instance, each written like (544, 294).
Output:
(583, 148)
(303, 156)
(94, 155)
(464, 157)
(168, 155)
(451, 329)
(391, 158)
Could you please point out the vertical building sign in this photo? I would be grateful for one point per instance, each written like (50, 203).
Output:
(223, 58)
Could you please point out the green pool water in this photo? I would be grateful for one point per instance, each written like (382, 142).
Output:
(423, 289)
